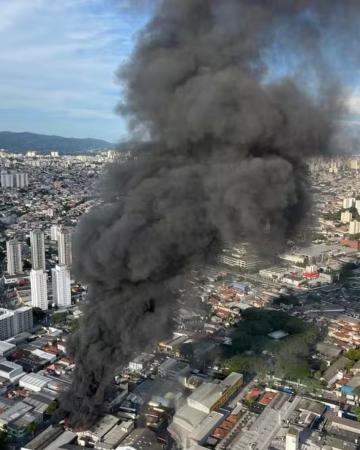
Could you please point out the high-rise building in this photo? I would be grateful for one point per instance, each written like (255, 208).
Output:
(7, 328)
(21, 180)
(61, 286)
(37, 249)
(354, 227)
(64, 246)
(7, 179)
(346, 216)
(357, 206)
(54, 231)
(23, 319)
(14, 179)
(13, 253)
(355, 164)
(348, 202)
(15, 322)
(38, 282)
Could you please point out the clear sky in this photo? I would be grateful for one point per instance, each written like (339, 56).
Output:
(58, 59)
(57, 64)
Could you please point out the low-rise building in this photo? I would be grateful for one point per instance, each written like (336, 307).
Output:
(10, 371)
(34, 382)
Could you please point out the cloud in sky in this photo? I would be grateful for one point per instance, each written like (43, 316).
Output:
(58, 60)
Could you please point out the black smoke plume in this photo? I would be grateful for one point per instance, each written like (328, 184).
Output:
(219, 154)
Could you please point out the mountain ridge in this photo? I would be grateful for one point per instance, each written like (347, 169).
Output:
(20, 142)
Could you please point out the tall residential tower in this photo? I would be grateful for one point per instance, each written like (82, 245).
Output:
(39, 294)
(64, 246)
(14, 261)
(37, 250)
(61, 286)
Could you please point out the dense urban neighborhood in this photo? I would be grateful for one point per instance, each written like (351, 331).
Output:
(266, 352)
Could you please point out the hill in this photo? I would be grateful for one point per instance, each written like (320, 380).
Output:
(22, 142)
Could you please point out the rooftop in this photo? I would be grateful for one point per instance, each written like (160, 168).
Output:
(6, 346)
(34, 379)
(45, 438)
(209, 393)
(104, 426)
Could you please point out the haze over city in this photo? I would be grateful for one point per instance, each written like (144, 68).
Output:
(180, 225)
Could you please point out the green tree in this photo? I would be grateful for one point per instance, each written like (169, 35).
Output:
(74, 325)
(59, 318)
(31, 428)
(353, 354)
(53, 406)
(357, 413)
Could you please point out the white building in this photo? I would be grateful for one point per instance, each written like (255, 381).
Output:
(37, 249)
(14, 179)
(140, 362)
(7, 179)
(54, 231)
(354, 227)
(64, 246)
(33, 382)
(21, 180)
(9, 370)
(355, 164)
(195, 420)
(61, 286)
(348, 202)
(14, 261)
(357, 206)
(6, 348)
(292, 439)
(346, 216)
(238, 257)
(38, 282)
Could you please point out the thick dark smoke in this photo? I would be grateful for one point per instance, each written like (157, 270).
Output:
(221, 157)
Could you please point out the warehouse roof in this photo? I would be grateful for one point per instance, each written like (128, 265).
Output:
(45, 438)
(104, 425)
(208, 393)
(206, 426)
(6, 347)
(34, 379)
(9, 367)
(65, 438)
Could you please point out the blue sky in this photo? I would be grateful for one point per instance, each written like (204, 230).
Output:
(57, 64)
(58, 59)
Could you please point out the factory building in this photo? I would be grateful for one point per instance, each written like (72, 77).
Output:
(195, 421)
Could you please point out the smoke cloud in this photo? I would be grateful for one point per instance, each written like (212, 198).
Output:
(219, 154)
